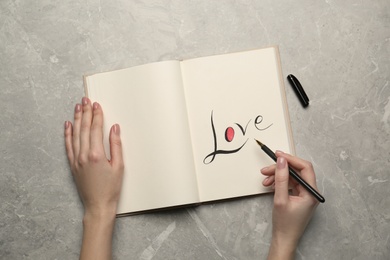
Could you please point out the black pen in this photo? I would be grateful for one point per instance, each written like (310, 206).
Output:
(293, 174)
(296, 85)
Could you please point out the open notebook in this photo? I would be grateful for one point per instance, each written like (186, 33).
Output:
(188, 127)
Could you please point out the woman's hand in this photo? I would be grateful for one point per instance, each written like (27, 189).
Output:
(291, 212)
(98, 179)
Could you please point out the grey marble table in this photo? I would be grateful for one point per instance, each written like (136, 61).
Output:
(338, 49)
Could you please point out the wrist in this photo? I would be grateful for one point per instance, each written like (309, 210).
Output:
(99, 217)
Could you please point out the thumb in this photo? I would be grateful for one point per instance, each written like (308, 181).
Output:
(116, 147)
(281, 182)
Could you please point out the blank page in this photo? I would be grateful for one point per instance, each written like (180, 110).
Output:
(148, 103)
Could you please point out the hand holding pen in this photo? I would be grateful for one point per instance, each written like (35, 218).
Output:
(291, 212)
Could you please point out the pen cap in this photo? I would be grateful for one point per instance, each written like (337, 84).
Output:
(298, 89)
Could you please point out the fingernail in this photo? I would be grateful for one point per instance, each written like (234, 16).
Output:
(264, 169)
(278, 152)
(66, 124)
(265, 181)
(281, 163)
(117, 129)
(85, 101)
(77, 108)
(95, 105)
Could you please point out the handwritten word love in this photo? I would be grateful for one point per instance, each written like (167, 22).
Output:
(229, 136)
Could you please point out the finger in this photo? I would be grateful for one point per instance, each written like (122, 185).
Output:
(85, 126)
(269, 170)
(76, 130)
(281, 182)
(269, 181)
(305, 167)
(97, 129)
(294, 187)
(116, 147)
(68, 141)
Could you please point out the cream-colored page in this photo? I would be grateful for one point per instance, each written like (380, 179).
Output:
(233, 99)
(148, 103)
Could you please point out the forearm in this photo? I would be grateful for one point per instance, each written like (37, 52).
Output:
(97, 236)
(281, 250)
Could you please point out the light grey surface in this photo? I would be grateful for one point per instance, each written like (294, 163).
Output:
(338, 49)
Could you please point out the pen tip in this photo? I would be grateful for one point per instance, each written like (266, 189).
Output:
(259, 143)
